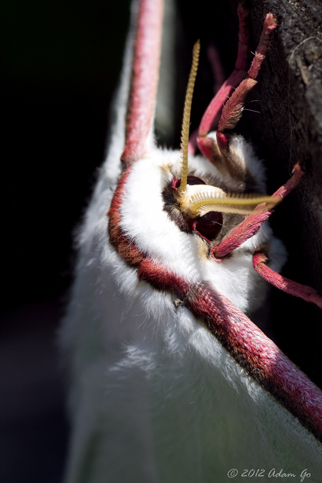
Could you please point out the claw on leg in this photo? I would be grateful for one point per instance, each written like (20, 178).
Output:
(293, 288)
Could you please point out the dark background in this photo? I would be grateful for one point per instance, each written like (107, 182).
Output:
(59, 66)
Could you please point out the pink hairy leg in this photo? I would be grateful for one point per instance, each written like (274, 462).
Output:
(145, 74)
(232, 110)
(298, 290)
(261, 358)
(233, 80)
(253, 222)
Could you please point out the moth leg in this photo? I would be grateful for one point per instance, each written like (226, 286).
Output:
(145, 74)
(231, 83)
(215, 147)
(232, 110)
(297, 289)
(253, 222)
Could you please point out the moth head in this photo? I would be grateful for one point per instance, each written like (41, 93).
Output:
(200, 202)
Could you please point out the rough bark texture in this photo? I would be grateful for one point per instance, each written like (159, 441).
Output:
(287, 129)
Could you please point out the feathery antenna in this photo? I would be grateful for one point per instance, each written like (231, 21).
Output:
(186, 117)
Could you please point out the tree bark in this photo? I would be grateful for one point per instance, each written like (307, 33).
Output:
(287, 129)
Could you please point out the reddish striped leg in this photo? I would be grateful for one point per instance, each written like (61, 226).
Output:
(249, 227)
(293, 288)
(253, 222)
(145, 75)
(232, 109)
(231, 83)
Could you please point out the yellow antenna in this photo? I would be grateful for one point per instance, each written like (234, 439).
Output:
(243, 204)
(198, 200)
(186, 117)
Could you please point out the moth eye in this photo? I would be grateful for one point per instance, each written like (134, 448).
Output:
(210, 225)
(190, 180)
(194, 180)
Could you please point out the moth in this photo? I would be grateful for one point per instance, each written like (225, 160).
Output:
(170, 379)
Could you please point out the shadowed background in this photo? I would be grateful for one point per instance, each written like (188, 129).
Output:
(60, 64)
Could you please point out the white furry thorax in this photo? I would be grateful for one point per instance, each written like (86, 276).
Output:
(144, 220)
